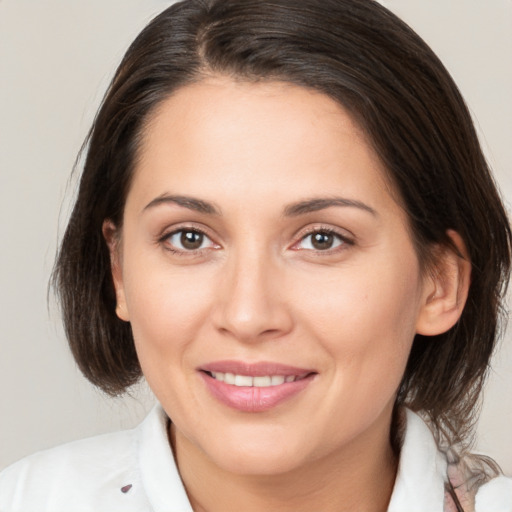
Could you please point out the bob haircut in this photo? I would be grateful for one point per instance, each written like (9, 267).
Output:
(396, 89)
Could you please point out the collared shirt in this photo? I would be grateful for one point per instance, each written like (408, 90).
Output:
(135, 471)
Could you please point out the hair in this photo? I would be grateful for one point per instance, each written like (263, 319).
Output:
(369, 61)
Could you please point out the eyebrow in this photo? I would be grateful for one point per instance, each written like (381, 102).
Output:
(317, 204)
(190, 203)
(292, 210)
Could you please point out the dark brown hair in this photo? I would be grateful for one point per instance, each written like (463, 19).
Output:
(364, 57)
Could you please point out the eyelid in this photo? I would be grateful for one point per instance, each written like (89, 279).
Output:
(347, 239)
(163, 239)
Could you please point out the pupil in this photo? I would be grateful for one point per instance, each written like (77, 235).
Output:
(191, 239)
(322, 240)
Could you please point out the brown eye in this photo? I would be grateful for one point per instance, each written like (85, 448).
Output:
(322, 240)
(191, 240)
(186, 240)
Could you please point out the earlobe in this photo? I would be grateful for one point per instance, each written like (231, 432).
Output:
(446, 289)
(111, 235)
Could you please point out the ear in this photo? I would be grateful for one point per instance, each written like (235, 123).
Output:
(111, 235)
(446, 289)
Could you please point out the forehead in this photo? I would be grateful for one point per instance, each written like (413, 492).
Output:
(224, 135)
(223, 107)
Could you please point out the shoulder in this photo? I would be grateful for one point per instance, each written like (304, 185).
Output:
(495, 496)
(127, 471)
(424, 477)
(55, 478)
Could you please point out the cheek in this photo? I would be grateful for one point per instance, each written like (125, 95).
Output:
(365, 318)
(167, 308)
(167, 314)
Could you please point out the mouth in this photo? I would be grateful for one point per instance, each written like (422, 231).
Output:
(262, 381)
(255, 387)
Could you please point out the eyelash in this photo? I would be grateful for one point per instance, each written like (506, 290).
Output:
(164, 241)
(345, 241)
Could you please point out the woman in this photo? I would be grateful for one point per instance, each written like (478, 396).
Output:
(286, 224)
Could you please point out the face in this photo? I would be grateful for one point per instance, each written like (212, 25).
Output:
(268, 274)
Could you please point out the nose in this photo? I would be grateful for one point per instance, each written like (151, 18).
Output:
(251, 305)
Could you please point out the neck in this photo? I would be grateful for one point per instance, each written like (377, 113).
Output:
(359, 477)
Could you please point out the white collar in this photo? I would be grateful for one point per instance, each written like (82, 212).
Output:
(419, 485)
(158, 470)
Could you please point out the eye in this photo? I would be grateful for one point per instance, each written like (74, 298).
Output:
(186, 240)
(321, 240)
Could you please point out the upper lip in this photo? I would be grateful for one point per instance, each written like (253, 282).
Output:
(258, 369)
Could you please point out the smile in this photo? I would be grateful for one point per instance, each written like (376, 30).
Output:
(254, 387)
(264, 381)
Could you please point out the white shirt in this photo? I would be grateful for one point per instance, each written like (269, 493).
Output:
(135, 471)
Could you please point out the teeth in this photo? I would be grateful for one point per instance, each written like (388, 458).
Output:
(257, 382)
(262, 382)
(277, 379)
(243, 380)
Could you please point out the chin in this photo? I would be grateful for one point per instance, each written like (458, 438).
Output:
(259, 464)
(259, 456)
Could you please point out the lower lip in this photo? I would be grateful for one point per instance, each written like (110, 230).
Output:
(254, 399)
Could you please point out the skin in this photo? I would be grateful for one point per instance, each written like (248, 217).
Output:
(257, 290)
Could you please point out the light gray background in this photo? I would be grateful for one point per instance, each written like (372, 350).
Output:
(56, 58)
